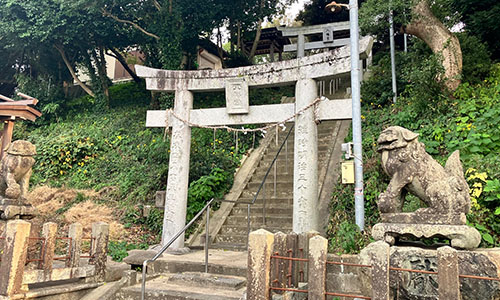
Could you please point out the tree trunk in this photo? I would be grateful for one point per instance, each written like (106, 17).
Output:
(441, 41)
(256, 40)
(123, 62)
(238, 42)
(101, 67)
(72, 71)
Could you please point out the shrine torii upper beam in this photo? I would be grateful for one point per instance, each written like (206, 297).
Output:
(302, 71)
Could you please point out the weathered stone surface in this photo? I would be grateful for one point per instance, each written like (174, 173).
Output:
(115, 270)
(16, 170)
(237, 101)
(443, 190)
(14, 257)
(374, 281)
(461, 236)
(24, 211)
(284, 72)
(338, 109)
(318, 250)
(418, 286)
(260, 246)
(174, 217)
(448, 280)
(424, 218)
(100, 234)
(160, 195)
(137, 257)
(305, 171)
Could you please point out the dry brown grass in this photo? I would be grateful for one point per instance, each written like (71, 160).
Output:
(49, 200)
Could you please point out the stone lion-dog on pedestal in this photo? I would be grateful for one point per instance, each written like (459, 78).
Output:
(15, 173)
(444, 192)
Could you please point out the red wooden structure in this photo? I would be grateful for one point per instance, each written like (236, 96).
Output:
(12, 110)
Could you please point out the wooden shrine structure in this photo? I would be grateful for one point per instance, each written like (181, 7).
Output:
(11, 111)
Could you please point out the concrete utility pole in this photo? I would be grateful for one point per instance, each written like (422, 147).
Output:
(359, 201)
(393, 57)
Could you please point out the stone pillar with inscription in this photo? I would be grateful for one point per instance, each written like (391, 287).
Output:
(174, 218)
(305, 174)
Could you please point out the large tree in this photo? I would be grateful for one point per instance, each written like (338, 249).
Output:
(418, 18)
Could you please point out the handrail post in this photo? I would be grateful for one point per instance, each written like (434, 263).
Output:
(275, 170)
(207, 238)
(248, 222)
(264, 207)
(286, 155)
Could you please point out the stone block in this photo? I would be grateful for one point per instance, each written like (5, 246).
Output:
(448, 274)
(318, 250)
(260, 247)
(480, 262)
(160, 199)
(14, 257)
(237, 96)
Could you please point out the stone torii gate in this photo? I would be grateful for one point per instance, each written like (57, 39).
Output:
(235, 82)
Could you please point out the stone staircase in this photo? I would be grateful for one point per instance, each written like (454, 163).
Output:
(279, 203)
(182, 277)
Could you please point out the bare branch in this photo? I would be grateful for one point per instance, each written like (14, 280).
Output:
(157, 5)
(108, 14)
(72, 71)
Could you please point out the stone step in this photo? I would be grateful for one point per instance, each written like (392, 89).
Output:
(290, 155)
(231, 239)
(242, 230)
(270, 209)
(220, 262)
(268, 193)
(229, 246)
(271, 220)
(161, 289)
(283, 201)
(281, 170)
(199, 279)
(269, 184)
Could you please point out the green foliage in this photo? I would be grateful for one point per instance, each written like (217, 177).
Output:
(467, 121)
(476, 59)
(213, 185)
(481, 19)
(118, 250)
(415, 73)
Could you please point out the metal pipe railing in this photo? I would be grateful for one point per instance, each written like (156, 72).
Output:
(262, 184)
(173, 239)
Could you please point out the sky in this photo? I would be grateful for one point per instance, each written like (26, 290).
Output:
(293, 11)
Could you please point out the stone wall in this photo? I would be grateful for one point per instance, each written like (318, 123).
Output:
(286, 266)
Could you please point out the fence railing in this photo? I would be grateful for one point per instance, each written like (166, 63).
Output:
(19, 249)
(293, 269)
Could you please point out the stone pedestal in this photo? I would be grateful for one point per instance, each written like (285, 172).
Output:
(16, 208)
(305, 173)
(174, 218)
(461, 236)
(447, 262)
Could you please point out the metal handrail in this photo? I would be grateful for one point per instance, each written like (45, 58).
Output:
(262, 184)
(174, 238)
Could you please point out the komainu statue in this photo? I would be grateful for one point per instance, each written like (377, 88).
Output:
(443, 191)
(15, 173)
